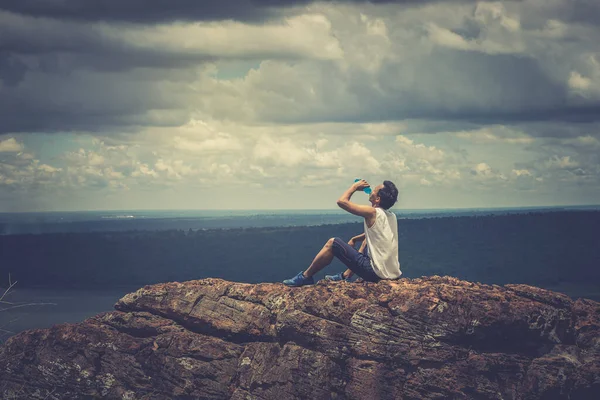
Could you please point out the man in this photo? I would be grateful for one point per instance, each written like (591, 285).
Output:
(377, 257)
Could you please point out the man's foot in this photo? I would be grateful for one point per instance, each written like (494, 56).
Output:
(299, 280)
(337, 277)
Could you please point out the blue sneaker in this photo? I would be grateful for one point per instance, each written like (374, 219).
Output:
(337, 277)
(299, 280)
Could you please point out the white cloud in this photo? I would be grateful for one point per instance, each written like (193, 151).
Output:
(404, 140)
(586, 84)
(521, 172)
(525, 180)
(144, 170)
(357, 154)
(308, 157)
(273, 155)
(552, 29)
(327, 62)
(306, 35)
(204, 151)
(275, 119)
(416, 163)
(482, 169)
(494, 13)
(220, 144)
(482, 173)
(49, 169)
(10, 145)
(313, 180)
(283, 152)
(28, 172)
(394, 71)
(586, 142)
(568, 164)
(419, 151)
(495, 134)
(177, 169)
(447, 38)
(499, 33)
(300, 36)
(578, 82)
(560, 162)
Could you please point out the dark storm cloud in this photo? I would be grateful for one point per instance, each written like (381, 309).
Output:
(143, 11)
(482, 89)
(470, 87)
(80, 46)
(12, 70)
(65, 74)
(69, 76)
(149, 11)
(32, 119)
(62, 47)
(583, 11)
(90, 102)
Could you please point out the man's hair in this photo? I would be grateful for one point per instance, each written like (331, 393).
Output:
(388, 195)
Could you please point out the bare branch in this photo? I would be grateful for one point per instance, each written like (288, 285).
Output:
(10, 286)
(11, 306)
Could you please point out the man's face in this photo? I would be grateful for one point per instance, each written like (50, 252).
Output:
(374, 197)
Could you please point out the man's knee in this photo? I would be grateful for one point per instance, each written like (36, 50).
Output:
(331, 241)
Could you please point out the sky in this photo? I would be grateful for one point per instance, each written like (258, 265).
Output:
(281, 104)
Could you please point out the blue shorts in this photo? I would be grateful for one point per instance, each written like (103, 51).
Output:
(358, 263)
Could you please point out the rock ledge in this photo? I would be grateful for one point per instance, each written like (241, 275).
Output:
(427, 338)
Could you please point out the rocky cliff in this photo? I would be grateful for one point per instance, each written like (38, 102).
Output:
(428, 338)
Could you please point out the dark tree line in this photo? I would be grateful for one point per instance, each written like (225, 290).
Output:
(534, 248)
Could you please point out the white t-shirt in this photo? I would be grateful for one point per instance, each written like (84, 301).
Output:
(382, 242)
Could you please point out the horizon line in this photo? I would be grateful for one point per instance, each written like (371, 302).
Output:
(309, 209)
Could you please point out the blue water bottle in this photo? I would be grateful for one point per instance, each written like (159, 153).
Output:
(367, 190)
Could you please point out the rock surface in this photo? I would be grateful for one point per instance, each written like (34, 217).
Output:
(427, 338)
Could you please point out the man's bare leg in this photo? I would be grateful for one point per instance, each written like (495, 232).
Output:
(321, 260)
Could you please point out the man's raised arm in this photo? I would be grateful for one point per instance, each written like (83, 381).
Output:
(353, 208)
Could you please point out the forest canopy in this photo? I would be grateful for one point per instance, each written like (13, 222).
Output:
(534, 248)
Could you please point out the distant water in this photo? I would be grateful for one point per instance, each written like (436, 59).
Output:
(152, 220)
(41, 308)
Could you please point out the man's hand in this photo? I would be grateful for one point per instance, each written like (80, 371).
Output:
(367, 212)
(355, 239)
(359, 238)
(360, 185)
(362, 247)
